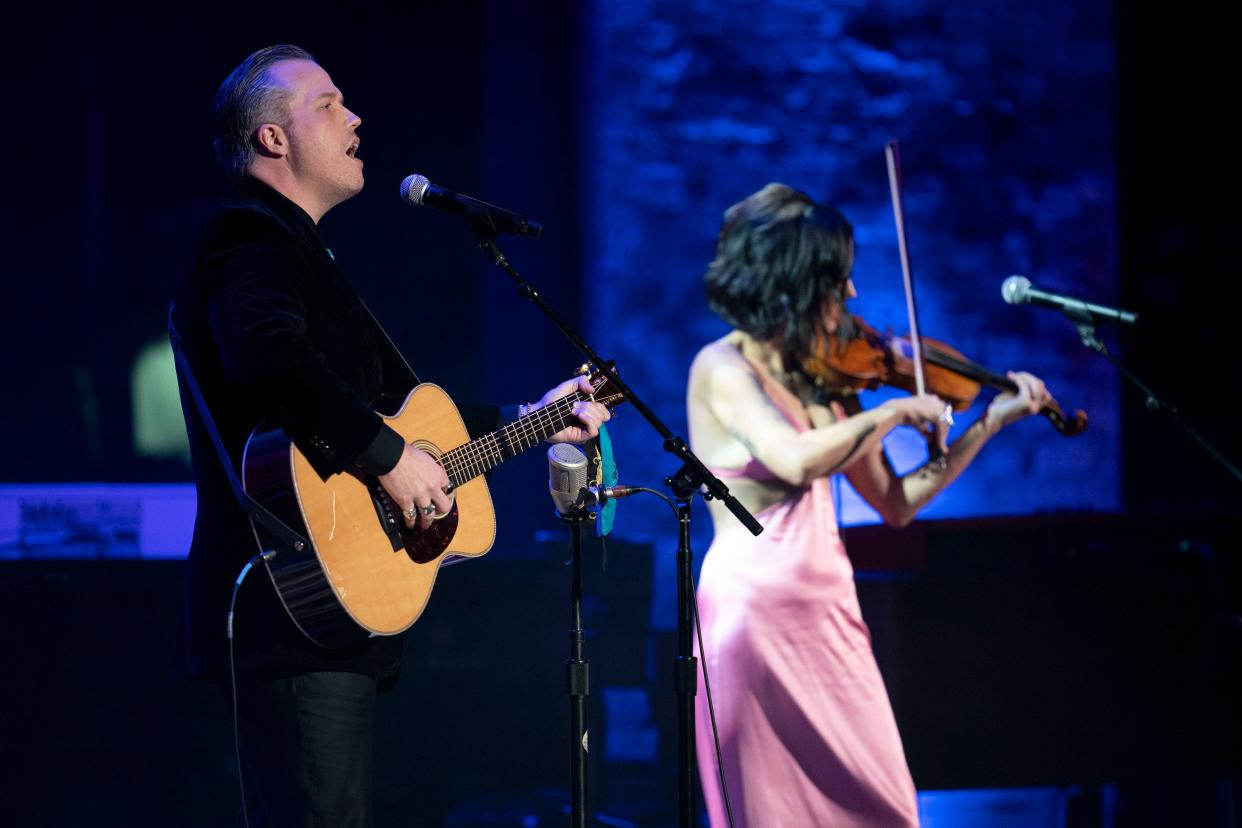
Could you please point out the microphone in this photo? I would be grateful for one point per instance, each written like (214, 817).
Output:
(567, 478)
(417, 191)
(1017, 290)
(567, 482)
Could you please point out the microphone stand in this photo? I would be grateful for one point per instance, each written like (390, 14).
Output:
(683, 485)
(692, 477)
(577, 676)
(1085, 321)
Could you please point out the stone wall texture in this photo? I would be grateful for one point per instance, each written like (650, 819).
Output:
(1005, 117)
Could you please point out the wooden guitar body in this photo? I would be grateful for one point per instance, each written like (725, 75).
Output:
(363, 572)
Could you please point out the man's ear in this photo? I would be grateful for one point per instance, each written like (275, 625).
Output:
(271, 140)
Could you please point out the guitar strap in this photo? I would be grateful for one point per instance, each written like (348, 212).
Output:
(412, 378)
(253, 509)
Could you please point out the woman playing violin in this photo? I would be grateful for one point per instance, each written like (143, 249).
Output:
(806, 728)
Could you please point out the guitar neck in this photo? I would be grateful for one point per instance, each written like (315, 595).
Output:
(467, 462)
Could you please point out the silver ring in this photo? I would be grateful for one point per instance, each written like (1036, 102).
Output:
(429, 509)
(410, 513)
(947, 416)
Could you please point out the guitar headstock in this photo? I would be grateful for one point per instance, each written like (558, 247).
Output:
(604, 391)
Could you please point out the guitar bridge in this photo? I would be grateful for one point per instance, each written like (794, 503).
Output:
(387, 513)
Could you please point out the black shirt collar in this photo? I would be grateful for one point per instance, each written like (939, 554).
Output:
(297, 218)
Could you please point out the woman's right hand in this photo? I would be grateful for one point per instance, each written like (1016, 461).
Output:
(917, 409)
(926, 412)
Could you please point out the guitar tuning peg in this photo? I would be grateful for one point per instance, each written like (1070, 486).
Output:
(582, 370)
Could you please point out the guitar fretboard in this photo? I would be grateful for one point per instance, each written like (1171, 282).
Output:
(467, 462)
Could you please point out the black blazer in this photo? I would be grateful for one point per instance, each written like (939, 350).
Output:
(274, 333)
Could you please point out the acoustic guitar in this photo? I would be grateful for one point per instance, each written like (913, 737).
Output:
(364, 572)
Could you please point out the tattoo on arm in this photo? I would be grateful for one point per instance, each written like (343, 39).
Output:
(861, 433)
(745, 441)
(770, 411)
(934, 468)
(931, 469)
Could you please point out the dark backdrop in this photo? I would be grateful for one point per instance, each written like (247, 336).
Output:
(116, 175)
(1181, 222)
(110, 174)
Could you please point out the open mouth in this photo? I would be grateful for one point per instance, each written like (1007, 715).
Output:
(353, 149)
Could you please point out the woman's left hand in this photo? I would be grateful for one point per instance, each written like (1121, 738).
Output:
(1008, 407)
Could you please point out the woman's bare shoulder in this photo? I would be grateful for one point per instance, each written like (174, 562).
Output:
(718, 353)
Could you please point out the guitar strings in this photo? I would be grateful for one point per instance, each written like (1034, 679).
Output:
(484, 454)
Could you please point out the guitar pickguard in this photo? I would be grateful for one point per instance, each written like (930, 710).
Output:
(425, 545)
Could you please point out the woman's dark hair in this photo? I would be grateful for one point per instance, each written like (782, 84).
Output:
(780, 258)
(247, 99)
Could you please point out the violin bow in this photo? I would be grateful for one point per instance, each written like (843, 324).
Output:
(893, 156)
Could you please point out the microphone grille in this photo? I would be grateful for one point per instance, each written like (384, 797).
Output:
(413, 188)
(567, 474)
(1015, 288)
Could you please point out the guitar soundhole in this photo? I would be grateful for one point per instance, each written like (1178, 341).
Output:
(425, 545)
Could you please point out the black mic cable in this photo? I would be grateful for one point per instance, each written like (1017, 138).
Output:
(266, 555)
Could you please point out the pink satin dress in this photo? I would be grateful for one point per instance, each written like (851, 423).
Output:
(807, 733)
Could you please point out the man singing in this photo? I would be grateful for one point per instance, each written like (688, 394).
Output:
(274, 333)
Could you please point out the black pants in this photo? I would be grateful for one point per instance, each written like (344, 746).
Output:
(307, 744)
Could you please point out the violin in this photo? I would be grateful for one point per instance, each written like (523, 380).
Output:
(864, 358)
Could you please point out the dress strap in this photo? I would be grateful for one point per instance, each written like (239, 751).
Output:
(785, 401)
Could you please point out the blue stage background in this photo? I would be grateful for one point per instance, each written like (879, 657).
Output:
(1065, 141)
(1005, 122)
